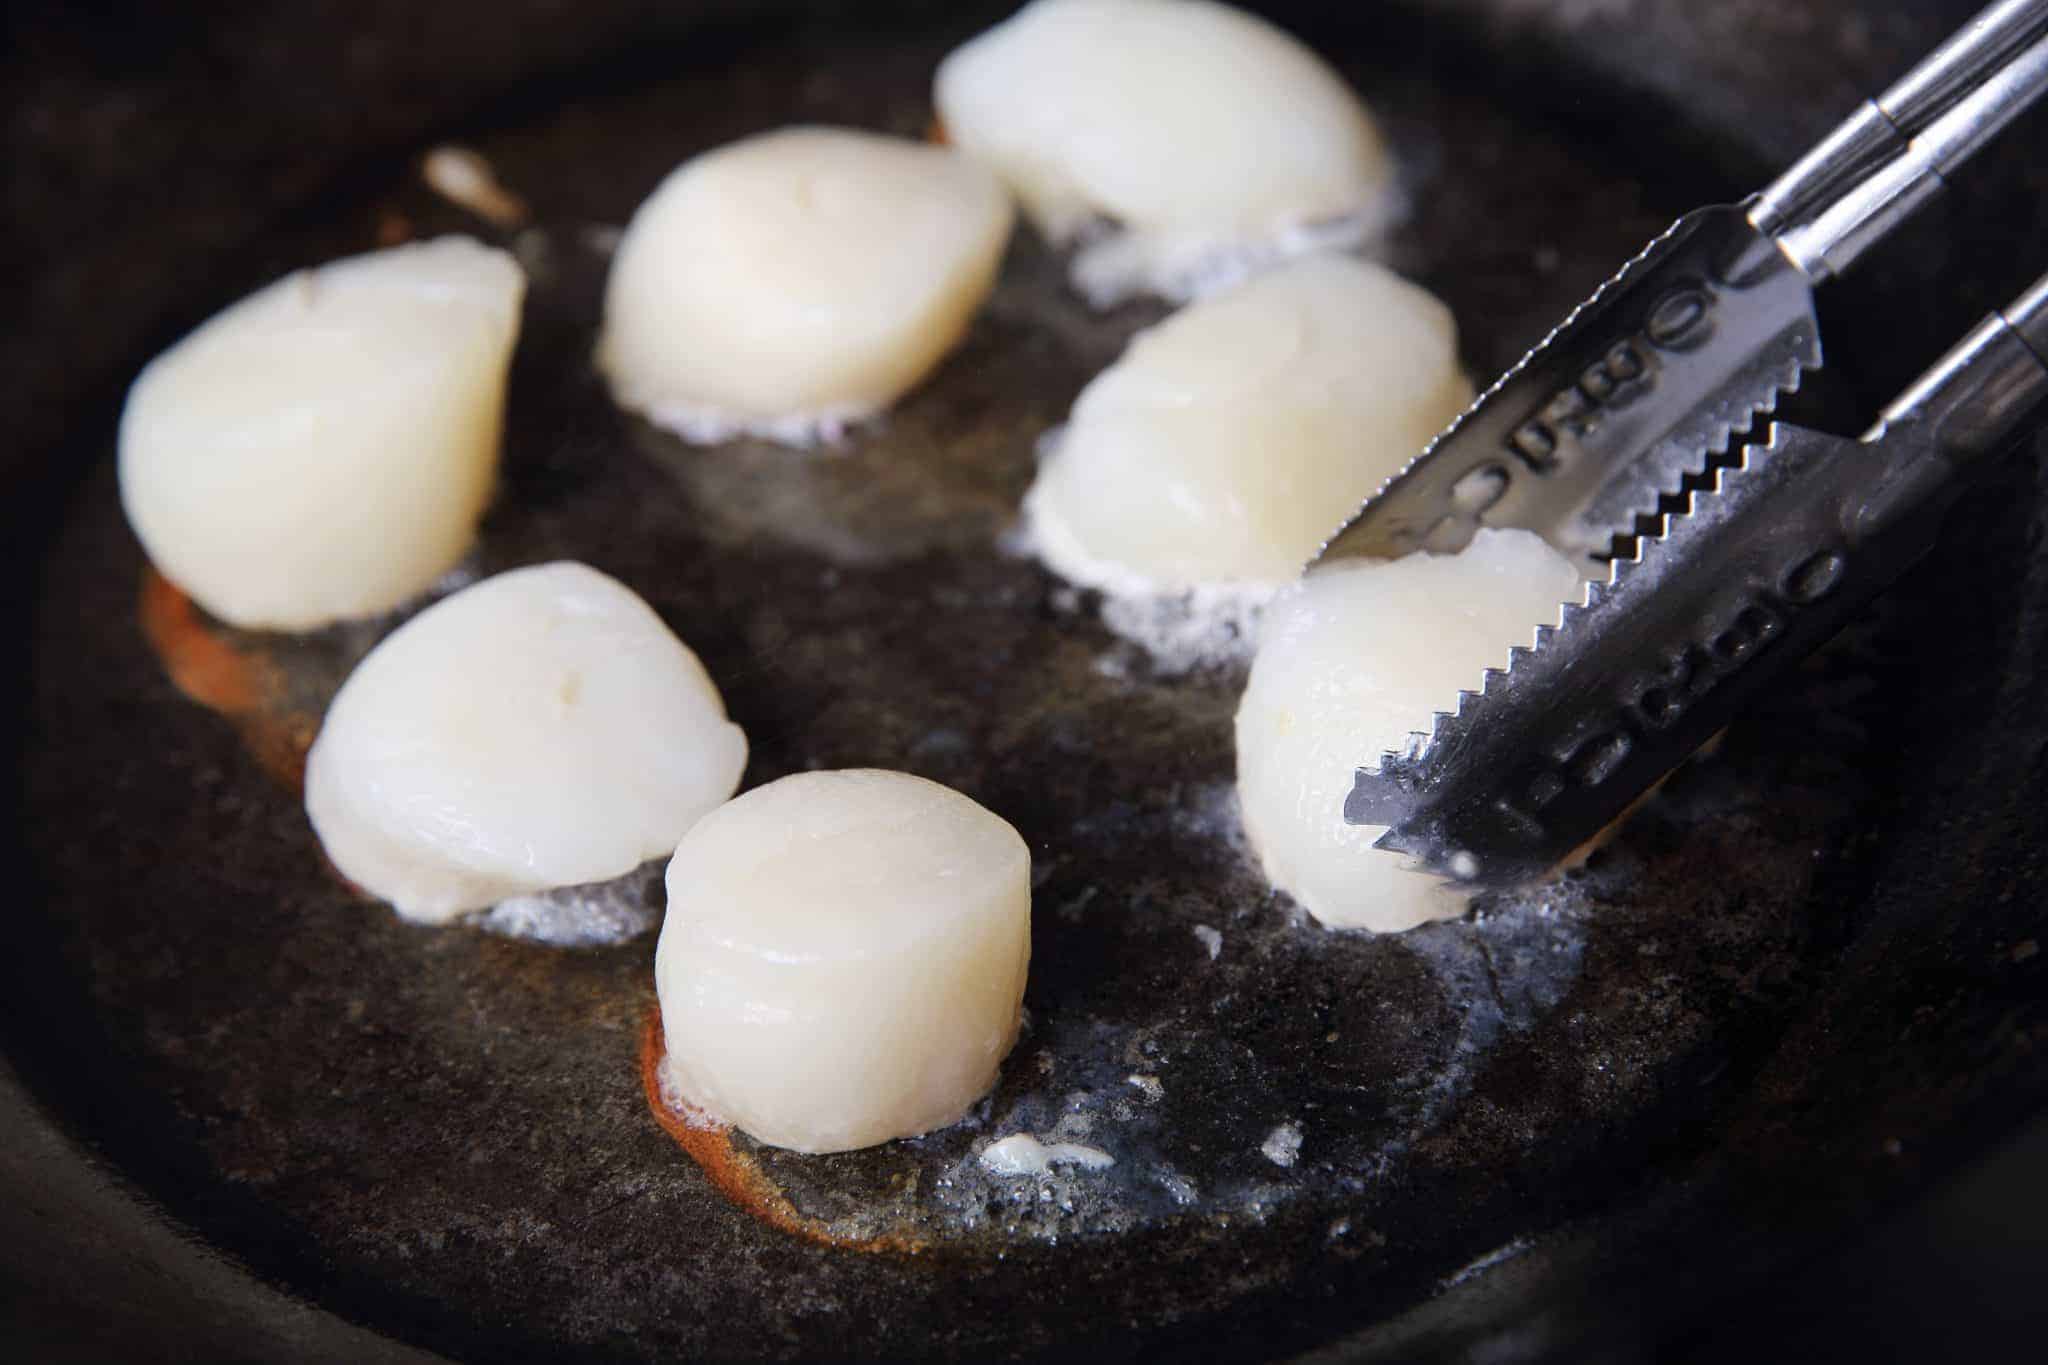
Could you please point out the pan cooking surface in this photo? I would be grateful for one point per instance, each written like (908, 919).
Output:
(442, 1132)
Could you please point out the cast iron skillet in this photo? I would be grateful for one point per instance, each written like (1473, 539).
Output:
(1798, 987)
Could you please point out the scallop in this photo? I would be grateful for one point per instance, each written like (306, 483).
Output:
(323, 449)
(843, 960)
(793, 282)
(1210, 141)
(542, 728)
(1350, 666)
(1231, 439)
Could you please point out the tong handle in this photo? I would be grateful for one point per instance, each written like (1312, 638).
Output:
(1972, 399)
(1839, 231)
(1881, 129)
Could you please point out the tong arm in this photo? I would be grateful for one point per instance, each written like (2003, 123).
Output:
(1704, 620)
(1678, 354)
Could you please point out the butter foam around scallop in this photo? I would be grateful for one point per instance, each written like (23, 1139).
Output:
(1213, 142)
(1350, 664)
(795, 281)
(323, 449)
(541, 729)
(1228, 441)
(843, 959)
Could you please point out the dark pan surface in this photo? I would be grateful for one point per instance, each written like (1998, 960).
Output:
(442, 1133)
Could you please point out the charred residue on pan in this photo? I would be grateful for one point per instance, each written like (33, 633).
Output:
(737, 1174)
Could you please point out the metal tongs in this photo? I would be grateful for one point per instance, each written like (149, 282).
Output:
(1648, 384)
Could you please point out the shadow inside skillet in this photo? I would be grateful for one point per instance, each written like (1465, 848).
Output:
(441, 1132)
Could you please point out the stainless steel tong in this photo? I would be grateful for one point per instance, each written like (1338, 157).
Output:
(1648, 384)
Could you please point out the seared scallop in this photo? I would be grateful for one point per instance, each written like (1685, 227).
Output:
(1229, 440)
(843, 959)
(1353, 664)
(543, 728)
(323, 449)
(793, 282)
(1207, 141)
